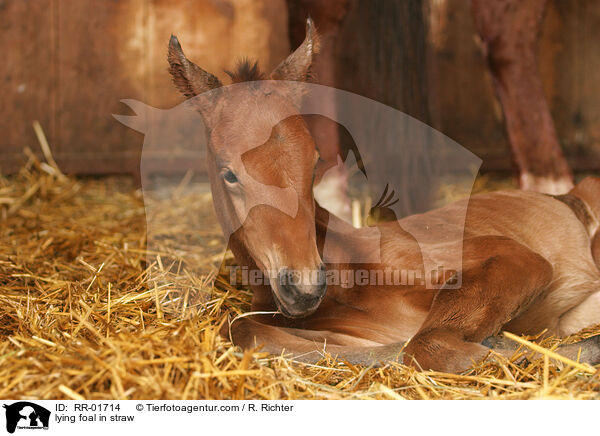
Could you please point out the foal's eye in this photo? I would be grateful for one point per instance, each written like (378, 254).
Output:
(230, 177)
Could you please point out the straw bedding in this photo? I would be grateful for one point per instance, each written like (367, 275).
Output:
(78, 318)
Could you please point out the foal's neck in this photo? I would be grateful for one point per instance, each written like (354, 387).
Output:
(387, 241)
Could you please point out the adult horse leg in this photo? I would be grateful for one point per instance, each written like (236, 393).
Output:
(500, 279)
(510, 31)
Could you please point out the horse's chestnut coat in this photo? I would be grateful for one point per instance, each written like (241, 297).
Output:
(527, 261)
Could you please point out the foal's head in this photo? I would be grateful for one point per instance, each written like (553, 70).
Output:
(261, 159)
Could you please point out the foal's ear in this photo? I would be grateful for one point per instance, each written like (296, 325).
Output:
(297, 65)
(188, 77)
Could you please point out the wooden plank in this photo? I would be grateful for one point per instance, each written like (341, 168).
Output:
(215, 35)
(27, 77)
(569, 62)
(69, 62)
(102, 59)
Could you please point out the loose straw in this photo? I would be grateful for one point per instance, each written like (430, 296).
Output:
(551, 354)
(41, 137)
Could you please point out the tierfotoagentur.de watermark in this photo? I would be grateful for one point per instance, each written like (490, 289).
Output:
(346, 278)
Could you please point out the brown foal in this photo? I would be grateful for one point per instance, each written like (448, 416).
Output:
(527, 261)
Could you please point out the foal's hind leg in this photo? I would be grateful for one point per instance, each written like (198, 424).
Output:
(500, 280)
(586, 350)
(250, 334)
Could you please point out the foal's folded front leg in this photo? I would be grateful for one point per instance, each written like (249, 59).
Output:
(298, 345)
(501, 278)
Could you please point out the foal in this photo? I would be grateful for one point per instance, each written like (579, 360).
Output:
(527, 261)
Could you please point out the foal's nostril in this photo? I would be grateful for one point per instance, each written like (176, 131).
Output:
(302, 291)
(292, 278)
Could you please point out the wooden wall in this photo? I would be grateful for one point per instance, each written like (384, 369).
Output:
(67, 63)
(462, 100)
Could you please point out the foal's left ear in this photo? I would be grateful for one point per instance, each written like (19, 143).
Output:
(191, 80)
(297, 65)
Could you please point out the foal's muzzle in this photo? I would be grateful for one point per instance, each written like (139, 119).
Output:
(300, 292)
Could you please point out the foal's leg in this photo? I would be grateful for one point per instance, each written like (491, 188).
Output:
(250, 334)
(501, 277)
(586, 350)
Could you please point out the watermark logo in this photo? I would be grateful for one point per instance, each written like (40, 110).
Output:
(25, 415)
(347, 278)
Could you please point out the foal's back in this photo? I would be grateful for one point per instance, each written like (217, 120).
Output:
(564, 230)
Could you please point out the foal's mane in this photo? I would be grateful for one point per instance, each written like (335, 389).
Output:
(246, 71)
